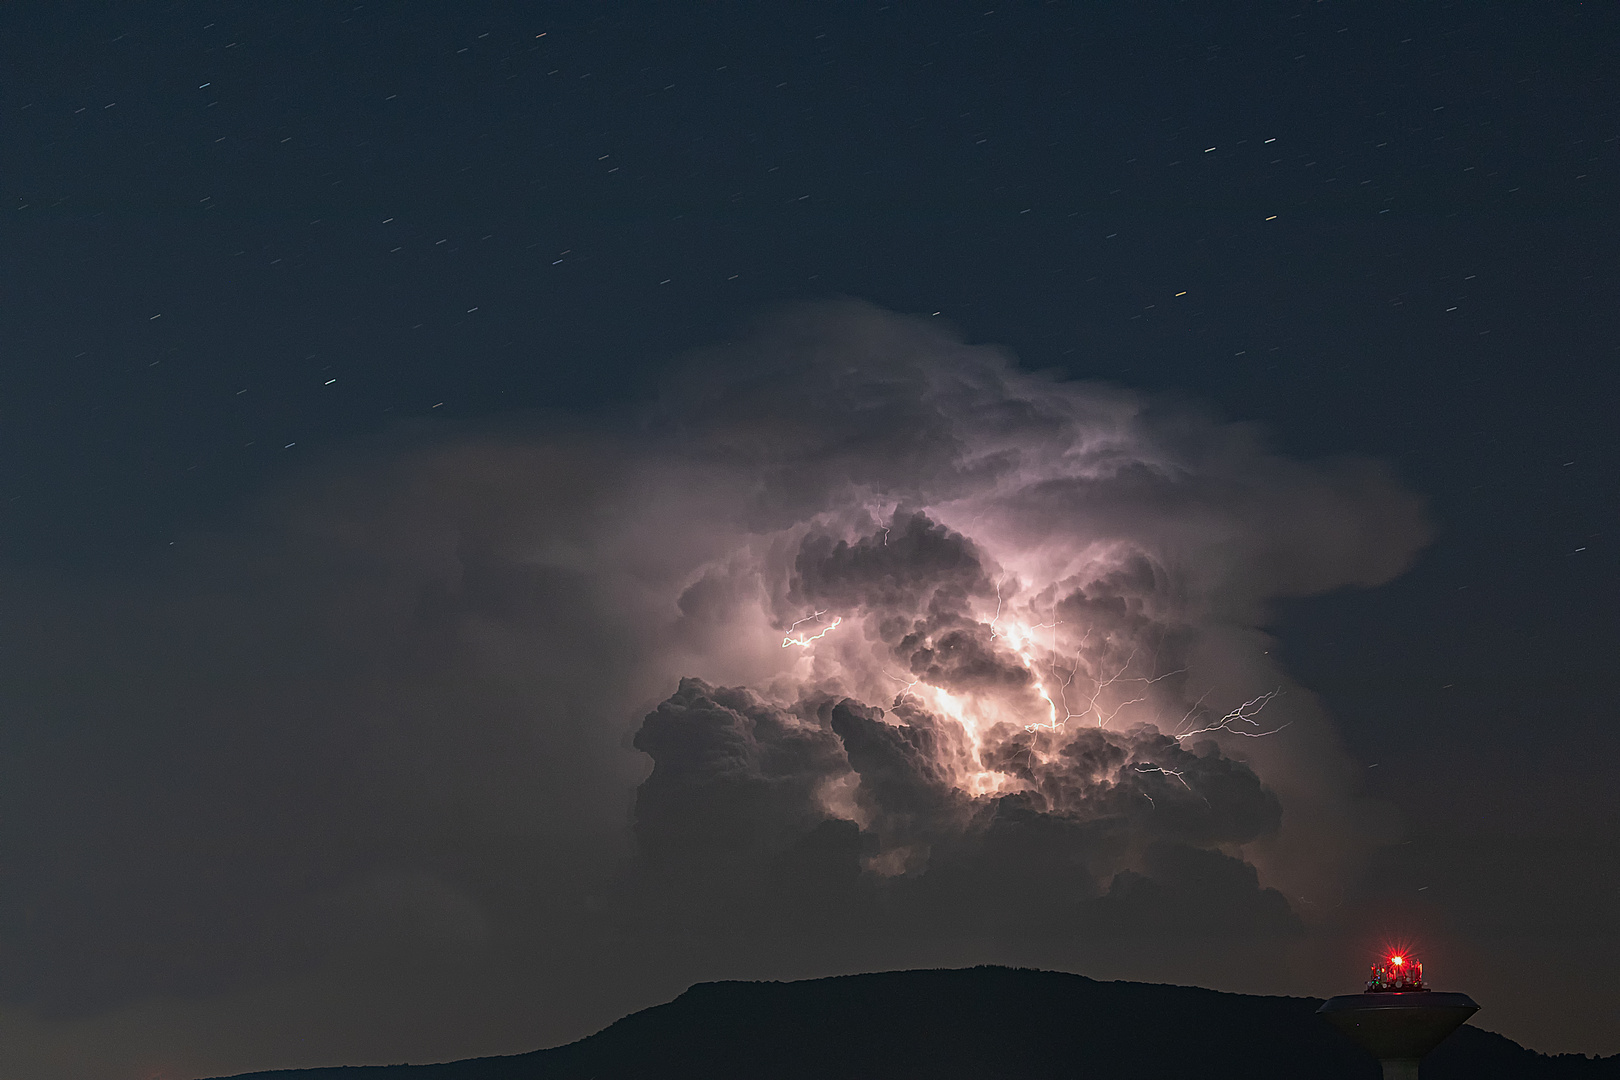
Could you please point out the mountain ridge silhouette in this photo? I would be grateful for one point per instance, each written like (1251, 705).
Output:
(982, 1023)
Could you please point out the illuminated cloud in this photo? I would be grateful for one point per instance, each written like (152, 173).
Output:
(1039, 598)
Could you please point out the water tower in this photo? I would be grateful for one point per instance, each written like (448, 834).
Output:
(1398, 1019)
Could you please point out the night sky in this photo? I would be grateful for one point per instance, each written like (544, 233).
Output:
(350, 426)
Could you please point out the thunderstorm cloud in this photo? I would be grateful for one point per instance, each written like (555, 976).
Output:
(862, 647)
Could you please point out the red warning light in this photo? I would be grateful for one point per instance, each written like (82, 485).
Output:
(1399, 974)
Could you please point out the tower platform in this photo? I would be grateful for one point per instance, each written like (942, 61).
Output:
(1398, 1028)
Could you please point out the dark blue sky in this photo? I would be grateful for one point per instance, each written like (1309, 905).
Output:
(245, 239)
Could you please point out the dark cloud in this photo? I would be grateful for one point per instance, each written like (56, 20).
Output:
(909, 564)
(906, 778)
(1191, 893)
(732, 776)
(737, 783)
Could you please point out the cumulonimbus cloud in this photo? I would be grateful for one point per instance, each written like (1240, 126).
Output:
(863, 634)
(1005, 598)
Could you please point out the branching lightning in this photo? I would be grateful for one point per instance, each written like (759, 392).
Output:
(1240, 721)
(1021, 639)
(801, 640)
(904, 690)
(1145, 767)
(1149, 767)
(1091, 707)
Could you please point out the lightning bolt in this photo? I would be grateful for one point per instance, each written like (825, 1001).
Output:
(904, 690)
(1020, 639)
(1240, 721)
(1091, 706)
(802, 641)
(996, 618)
(1149, 767)
(1145, 767)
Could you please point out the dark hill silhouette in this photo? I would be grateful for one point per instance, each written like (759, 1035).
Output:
(982, 1023)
